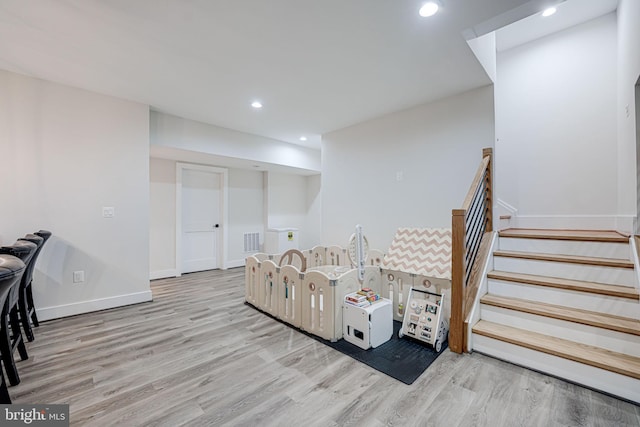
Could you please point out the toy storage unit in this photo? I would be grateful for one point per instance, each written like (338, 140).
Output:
(279, 240)
(368, 326)
(424, 318)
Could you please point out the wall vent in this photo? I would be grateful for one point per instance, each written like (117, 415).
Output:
(251, 242)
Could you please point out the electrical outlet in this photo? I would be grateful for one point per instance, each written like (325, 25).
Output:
(78, 276)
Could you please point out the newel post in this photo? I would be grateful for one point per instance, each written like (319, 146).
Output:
(456, 332)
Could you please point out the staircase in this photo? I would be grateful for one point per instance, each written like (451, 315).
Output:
(565, 303)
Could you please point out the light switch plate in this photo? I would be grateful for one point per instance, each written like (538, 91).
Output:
(108, 212)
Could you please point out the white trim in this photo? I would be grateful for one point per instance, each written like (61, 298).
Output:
(161, 274)
(55, 312)
(224, 211)
(236, 263)
(506, 207)
(482, 289)
(634, 258)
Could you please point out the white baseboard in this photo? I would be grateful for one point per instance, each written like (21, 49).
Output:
(48, 313)
(622, 223)
(161, 274)
(235, 263)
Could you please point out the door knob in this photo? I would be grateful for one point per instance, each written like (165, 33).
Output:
(216, 226)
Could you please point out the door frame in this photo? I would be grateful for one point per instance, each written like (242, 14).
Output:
(224, 209)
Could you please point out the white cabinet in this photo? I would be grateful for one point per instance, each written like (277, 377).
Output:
(368, 326)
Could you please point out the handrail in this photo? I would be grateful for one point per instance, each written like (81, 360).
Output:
(468, 226)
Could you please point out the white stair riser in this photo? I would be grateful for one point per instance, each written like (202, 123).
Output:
(567, 247)
(600, 303)
(585, 334)
(566, 270)
(599, 379)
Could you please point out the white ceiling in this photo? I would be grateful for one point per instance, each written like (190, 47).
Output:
(317, 66)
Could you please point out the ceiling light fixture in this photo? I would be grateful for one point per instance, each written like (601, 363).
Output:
(549, 11)
(428, 9)
(303, 138)
(256, 104)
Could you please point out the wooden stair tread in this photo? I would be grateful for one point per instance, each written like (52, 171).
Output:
(575, 259)
(584, 317)
(577, 235)
(574, 285)
(594, 356)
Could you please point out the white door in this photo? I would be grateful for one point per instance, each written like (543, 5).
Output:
(200, 220)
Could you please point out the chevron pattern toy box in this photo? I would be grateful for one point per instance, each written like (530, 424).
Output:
(419, 258)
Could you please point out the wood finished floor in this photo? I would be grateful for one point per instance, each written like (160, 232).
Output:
(198, 356)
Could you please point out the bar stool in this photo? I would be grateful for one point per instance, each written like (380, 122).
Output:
(25, 305)
(11, 270)
(10, 332)
(45, 234)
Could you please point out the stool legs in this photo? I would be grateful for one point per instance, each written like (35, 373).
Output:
(10, 339)
(23, 307)
(5, 399)
(16, 334)
(32, 307)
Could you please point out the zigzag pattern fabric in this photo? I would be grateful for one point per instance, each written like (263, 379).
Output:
(422, 251)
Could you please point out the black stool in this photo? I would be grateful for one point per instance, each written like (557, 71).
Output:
(12, 339)
(25, 305)
(11, 270)
(45, 234)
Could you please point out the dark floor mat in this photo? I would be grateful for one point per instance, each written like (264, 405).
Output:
(404, 359)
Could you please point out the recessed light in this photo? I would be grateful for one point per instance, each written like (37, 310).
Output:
(428, 9)
(549, 11)
(256, 104)
(303, 138)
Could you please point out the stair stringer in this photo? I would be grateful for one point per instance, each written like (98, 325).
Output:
(635, 259)
(474, 314)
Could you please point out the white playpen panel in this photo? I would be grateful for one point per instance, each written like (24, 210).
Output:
(371, 279)
(322, 302)
(251, 279)
(395, 286)
(268, 288)
(336, 256)
(374, 257)
(290, 295)
(316, 256)
(261, 256)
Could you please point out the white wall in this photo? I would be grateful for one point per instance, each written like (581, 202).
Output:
(556, 153)
(434, 149)
(176, 132)
(293, 202)
(245, 211)
(313, 226)
(162, 218)
(67, 154)
(628, 138)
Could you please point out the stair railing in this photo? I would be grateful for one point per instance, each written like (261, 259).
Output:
(468, 226)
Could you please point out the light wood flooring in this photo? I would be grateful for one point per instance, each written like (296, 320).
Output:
(198, 356)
